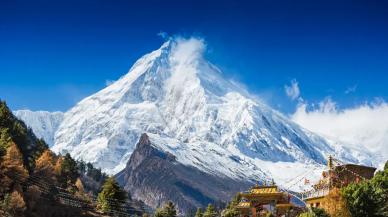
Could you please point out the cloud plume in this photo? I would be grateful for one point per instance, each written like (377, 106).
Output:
(365, 125)
(292, 91)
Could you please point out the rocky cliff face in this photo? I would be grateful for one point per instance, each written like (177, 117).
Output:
(155, 176)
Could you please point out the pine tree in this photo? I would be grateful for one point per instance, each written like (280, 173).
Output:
(68, 171)
(81, 167)
(231, 210)
(111, 197)
(12, 129)
(199, 213)
(167, 211)
(210, 211)
(5, 141)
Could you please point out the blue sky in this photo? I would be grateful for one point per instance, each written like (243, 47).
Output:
(54, 53)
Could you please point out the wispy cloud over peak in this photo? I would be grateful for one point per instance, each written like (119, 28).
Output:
(292, 90)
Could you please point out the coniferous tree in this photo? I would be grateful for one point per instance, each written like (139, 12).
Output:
(81, 167)
(230, 210)
(13, 129)
(11, 169)
(111, 197)
(68, 170)
(199, 212)
(5, 141)
(13, 205)
(210, 211)
(168, 210)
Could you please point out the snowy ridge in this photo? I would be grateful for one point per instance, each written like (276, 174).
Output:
(188, 109)
(44, 124)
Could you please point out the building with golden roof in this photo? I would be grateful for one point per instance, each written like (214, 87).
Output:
(260, 200)
(337, 176)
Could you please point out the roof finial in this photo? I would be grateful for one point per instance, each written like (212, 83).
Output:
(330, 162)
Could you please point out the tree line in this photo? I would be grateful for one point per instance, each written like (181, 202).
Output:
(31, 174)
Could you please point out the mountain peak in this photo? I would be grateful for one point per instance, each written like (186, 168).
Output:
(187, 108)
(144, 140)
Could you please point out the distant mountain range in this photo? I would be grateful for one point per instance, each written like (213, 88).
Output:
(43, 123)
(196, 120)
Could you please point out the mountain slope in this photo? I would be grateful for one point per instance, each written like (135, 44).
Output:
(189, 110)
(156, 177)
(12, 130)
(44, 124)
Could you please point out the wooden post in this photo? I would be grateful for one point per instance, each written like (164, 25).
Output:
(254, 212)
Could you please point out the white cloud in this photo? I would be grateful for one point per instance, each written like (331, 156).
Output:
(351, 89)
(365, 125)
(187, 51)
(163, 35)
(109, 82)
(292, 91)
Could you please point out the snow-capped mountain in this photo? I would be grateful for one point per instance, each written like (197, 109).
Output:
(44, 124)
(190, 110)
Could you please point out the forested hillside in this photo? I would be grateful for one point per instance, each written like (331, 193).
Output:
(37, 182)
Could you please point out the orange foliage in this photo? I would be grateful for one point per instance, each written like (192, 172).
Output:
(335, 205)
(57, 167)
(12, 169)
(45, 164)
(79, 185)
(16, 204)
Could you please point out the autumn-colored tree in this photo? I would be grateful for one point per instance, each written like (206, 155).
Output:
(17, 204)
(13, 205)
(44, 165)
(12, 169)
(80, 186)
(335, 204)
(58, 166)
(11, 128)
(13, 160)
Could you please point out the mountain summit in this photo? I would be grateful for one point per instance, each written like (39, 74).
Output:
(188, 109)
